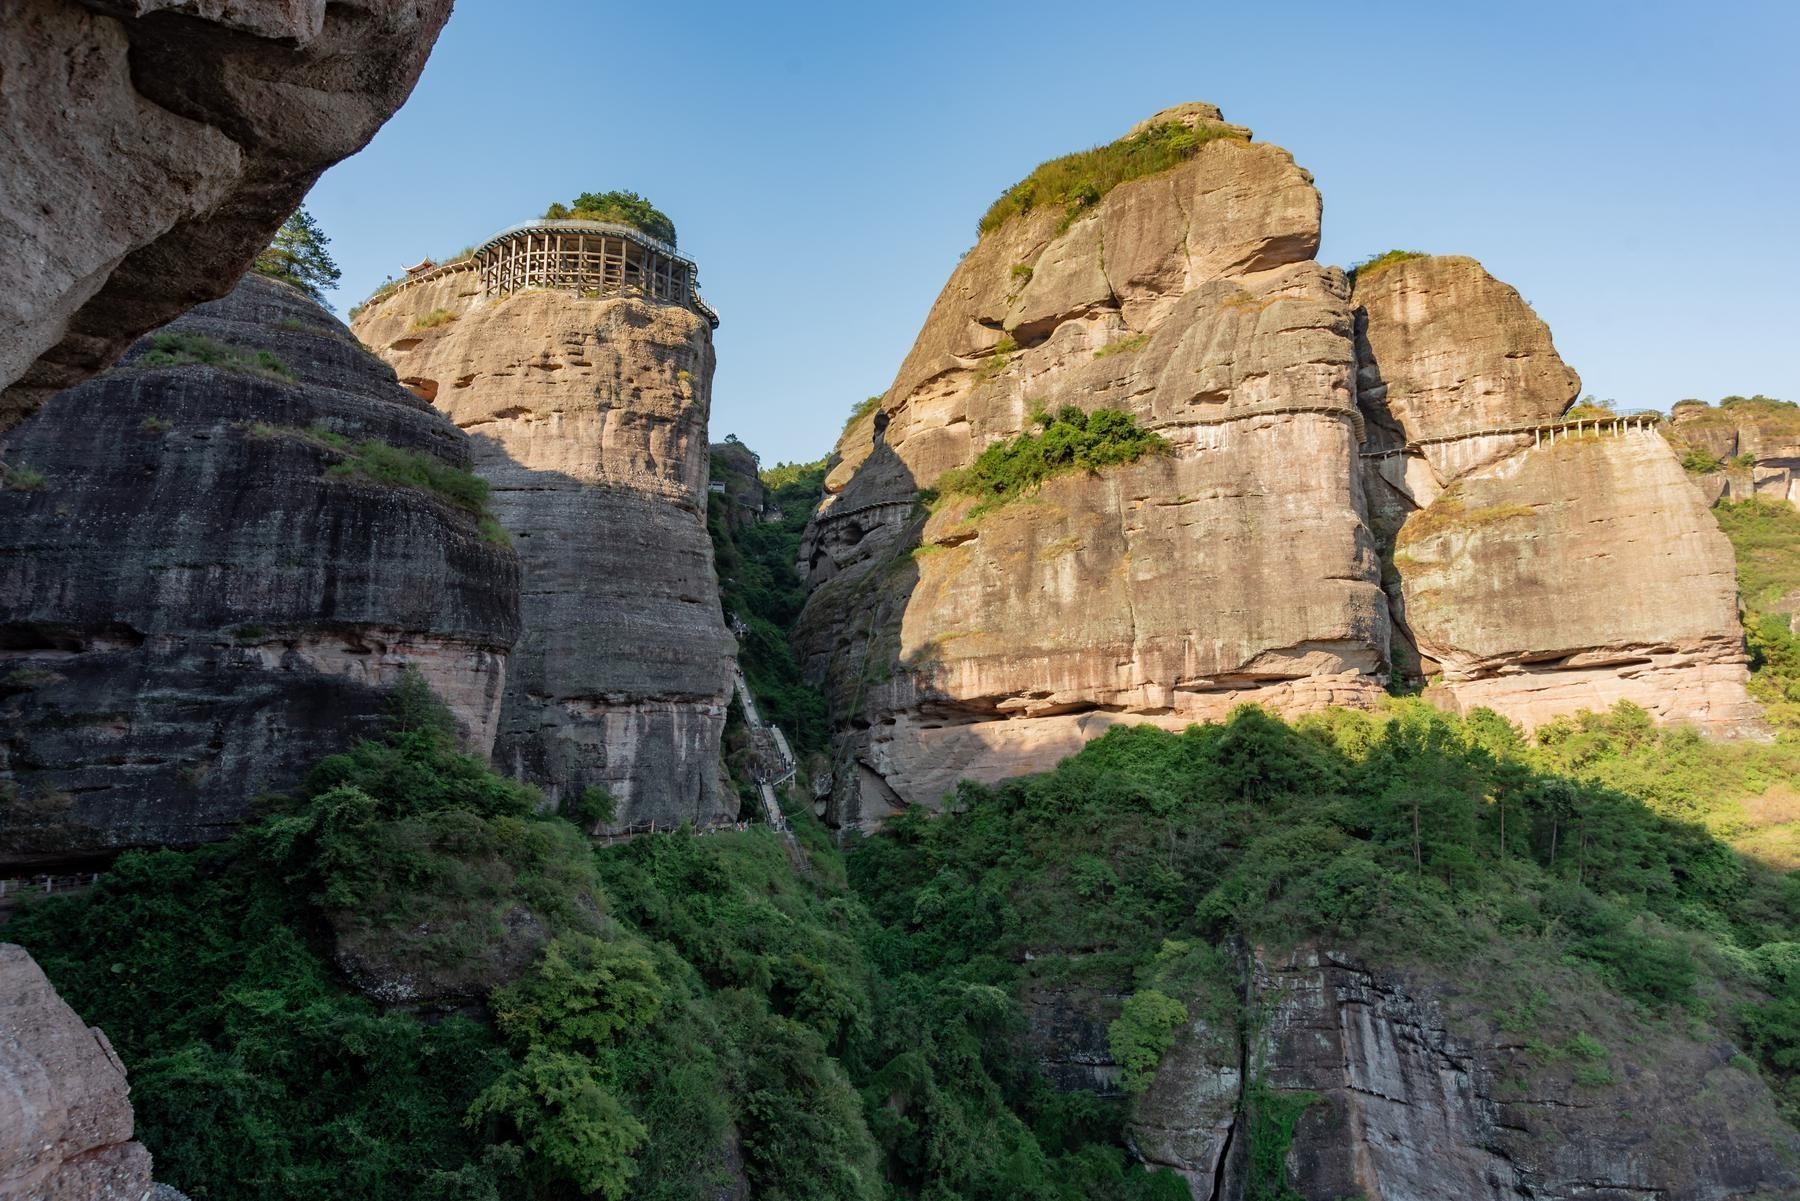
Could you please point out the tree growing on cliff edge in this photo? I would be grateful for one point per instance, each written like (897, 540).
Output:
(298, 256)
(623, 208)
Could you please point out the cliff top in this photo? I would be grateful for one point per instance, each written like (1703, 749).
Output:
(1078, 181)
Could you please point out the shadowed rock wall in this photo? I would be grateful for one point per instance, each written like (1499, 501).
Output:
(589, 417)
(193, 608)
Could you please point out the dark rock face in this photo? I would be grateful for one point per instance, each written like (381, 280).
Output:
(1413, 1094)
(192, 609)
(152, 148)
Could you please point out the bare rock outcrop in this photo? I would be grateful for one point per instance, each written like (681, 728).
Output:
(1543, 560)
(1238, 567)
(65, 1119)
(588, 417)
(153, 147)
(1741, 447)
(1405, 1088)
(204, 594)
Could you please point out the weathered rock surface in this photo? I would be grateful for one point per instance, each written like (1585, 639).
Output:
(65, 1120)
(588, 417)
(1239, 567)
(193, 608)
(1418, 1096)
(1534, 573)
(1756, 442)
(152, 148)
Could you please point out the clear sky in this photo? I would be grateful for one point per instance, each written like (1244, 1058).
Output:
(1632, 168)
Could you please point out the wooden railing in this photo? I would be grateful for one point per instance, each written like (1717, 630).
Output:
(1542, 433)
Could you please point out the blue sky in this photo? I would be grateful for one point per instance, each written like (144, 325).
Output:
(1632, 168)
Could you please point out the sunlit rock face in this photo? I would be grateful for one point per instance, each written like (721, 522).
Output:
(589, 417)
(1308, 417)
(197, 601)
(1238, 567)
(152, 148)
(1540, 565)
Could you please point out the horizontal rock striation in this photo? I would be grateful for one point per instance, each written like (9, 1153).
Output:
(1238, 567)
(198, 601)
(588, 417)
(1534, 573)
(153, 148)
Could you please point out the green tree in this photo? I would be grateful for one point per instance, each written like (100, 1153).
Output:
(1145, 1029)
(624, 208)
(298, 256)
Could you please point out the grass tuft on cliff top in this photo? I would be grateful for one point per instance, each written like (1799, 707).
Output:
(1077, 181)
(1067, 440)
(1379, 262)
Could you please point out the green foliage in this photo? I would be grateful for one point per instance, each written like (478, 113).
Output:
(298, 256)
(861, 409)
(759, 584)
(433, 319)
(593, 806)
(1700, 461)
(1068, 440)
(1078, 181)
(567, 1123)
(179, 350)
(1765, 534)
(384, 463)
(1382, 261)
(620, 208)
(20, 477)
(1272, 1118)
(1123, 346)
(1144, 1030)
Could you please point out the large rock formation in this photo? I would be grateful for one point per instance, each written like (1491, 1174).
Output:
(1238, 567)
(65, 1120)
(1406, 1088)
(1745, 446)
(1306, 425)
(204, 594)
(1544, 559)
(153, 147)
(589, 419)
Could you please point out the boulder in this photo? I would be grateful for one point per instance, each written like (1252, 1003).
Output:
(65, 1119)
(154, 146)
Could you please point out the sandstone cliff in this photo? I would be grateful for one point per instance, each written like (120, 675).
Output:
(1745, 446)
(1239, 567)
(588, 417)
(65, 1122)
(1309, 419)
(1406, 1088)
(1545, 559)
(152, 149)
(205, 593)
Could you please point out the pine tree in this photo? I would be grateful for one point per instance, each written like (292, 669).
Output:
(298, 256)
